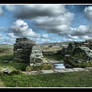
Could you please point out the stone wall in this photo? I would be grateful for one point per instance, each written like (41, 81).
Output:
(36, 56)
(74, 55)
(22, 49)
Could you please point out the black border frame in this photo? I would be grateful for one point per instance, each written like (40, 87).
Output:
(45, 1)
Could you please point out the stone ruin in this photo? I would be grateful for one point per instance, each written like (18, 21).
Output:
(27, 51)
(36, 56)
(76, 53)
(22, 49)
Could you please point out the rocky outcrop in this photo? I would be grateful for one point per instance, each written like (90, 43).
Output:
(36, 56)
(75, 55)
(22, 49)
(27, 51)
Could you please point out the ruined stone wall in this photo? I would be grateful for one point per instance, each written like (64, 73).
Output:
(36, 56)
(75, 56)
(22, 49)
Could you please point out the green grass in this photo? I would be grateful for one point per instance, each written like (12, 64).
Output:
(73, 79)
(41, 67)
(7, 59)
(53, 57)
(11, 63)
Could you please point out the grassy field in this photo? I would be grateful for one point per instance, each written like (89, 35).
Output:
(73, 79)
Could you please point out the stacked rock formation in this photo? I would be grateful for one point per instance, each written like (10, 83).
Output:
(36, 56)
(75, 55)
(22, 49)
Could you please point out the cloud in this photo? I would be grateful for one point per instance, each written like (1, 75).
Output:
(59, 24)
(55, 19)
(3, 29)
(81, 32)
(7, 41)
(21, 29)
(1, 37)
(33, 10)
(45, 36)
(11, 35)
(88, 12)
(1, 10)
(49, 17)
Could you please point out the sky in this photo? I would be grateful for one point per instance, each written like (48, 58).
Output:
(45, 23)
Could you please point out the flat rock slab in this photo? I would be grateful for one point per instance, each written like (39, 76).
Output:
(32, 72)
(63, 70)
(78, 69)
(46, 71)
(58, 70)
(88, 68)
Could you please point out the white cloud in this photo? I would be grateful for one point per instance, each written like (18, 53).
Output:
(73, 37)
(83, 28)
(86, 37)
(60, 24)
(21, 28)
(88, 12)
(45, 36)
(82, 32)
(7, 41)
(49, 17)
(11, 35)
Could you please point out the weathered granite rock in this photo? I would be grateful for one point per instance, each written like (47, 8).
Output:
(36, 56)
(6, 70)
(76, 54)
(22, 49)
(46, 71)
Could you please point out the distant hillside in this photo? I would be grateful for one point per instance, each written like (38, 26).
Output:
(59, 43)
(6, 46)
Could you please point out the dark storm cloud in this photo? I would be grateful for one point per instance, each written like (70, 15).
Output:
(32, 11)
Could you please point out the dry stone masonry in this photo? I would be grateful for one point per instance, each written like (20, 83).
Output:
(27, 51)
(36, 56)
(76, 54)
(22, 49)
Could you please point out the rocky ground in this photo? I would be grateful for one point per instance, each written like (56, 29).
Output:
(58, 71)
